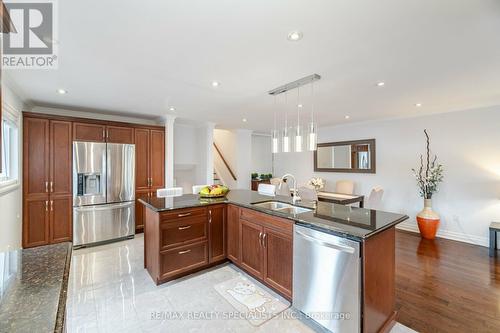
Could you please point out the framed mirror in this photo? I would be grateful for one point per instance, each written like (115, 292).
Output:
(346, 156)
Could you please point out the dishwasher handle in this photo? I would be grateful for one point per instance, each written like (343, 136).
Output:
(320, 242)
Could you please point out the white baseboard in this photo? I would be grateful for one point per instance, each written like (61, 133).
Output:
(456, 236)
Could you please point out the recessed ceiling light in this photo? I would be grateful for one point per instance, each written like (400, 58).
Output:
(172, 108)
(380, 84)
(300, 105)
(244, 120)
(295, 36)
(418, 105)
(62, 91)
(347, 117)
(215, 84)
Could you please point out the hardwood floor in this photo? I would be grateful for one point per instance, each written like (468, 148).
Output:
(446, 286)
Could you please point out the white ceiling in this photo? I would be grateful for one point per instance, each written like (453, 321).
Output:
(141, 57)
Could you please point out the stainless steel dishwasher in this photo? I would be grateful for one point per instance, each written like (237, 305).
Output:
(327, 279)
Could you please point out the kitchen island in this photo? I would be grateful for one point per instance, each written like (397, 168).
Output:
(187, 233)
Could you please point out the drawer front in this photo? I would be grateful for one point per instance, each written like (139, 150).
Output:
(183, 214)
(269, 221)
(183, 259)
(177, 233)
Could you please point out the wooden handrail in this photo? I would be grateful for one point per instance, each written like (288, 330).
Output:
(225, 163)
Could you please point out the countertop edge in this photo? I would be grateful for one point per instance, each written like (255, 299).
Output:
(295, 220)
(63, 295)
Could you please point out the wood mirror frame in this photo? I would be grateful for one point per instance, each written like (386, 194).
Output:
(372, 150)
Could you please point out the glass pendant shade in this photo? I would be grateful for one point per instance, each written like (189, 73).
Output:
(275, 142)
(286, 140)
(298, 143)
(312, 138)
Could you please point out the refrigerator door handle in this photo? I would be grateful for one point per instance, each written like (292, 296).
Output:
(103, 207)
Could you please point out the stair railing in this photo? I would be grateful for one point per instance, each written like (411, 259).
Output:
(224, 160)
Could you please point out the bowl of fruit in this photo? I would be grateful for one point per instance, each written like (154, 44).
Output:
(213, 191)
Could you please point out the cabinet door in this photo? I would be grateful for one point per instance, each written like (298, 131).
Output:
(142, 159)
(217, 230)
(233, 233)
(252, 254)
(36, 222)
(60, 219)
(157, 167)
(139, 210)
(278, 258)
(60, 158)
(119, 134)
(89, 132)
(36, 157)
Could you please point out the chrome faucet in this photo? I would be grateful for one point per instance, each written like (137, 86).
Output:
(295, 195)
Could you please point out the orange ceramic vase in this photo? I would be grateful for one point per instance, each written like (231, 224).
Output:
(428, 221)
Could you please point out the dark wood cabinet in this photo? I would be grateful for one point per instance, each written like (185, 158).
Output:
(157, 157)
(47, 190)
(36, 221)
(252, 254)
(233, 233)
(94, 132)
(89, 132)
(267, 249)
(278, 259)
(217, 232)
(120, 134)
(149, 166)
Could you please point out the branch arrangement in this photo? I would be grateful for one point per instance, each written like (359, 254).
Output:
(428, 178)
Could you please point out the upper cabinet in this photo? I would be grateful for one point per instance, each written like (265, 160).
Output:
(119, 134)
(102, 133)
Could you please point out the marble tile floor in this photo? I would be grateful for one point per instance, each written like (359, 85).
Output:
(110, 291)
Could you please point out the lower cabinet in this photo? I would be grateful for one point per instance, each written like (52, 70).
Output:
(179, 242)
(36, 222)
(60, 208)
(252, 252)
(217, 232)
(233, 233)
(267, 249)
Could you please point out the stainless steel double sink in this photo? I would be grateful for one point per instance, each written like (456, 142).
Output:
(282, 207)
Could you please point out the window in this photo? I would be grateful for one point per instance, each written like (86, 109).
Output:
(10, 148)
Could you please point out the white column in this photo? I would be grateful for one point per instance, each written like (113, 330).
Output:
(169, 150)
(210, 153)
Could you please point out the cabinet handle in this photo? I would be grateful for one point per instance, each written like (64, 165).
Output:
(51, 205)
(183, 252)
(260, 238)
(150, 181)
(46, 206)
(264, 237)
(107, 134)
(52, 187)
(183, 215)
(184, 228)
(47, 187)
(103, 134)
(209, 216)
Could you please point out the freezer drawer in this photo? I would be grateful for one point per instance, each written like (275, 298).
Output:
(92, 224)
(327, 279)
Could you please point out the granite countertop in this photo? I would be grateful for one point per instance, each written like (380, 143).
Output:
(33, 288)
(345, 221)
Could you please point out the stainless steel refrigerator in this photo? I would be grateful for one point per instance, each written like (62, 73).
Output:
(103, 192)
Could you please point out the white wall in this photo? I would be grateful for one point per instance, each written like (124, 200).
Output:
(192, 154)
(467, 144)
(11, 201)
(236, 146)
(262, 157)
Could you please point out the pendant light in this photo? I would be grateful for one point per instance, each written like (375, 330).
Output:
(275, 136)
(286, 133)
(298, 130)
(312, 142)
